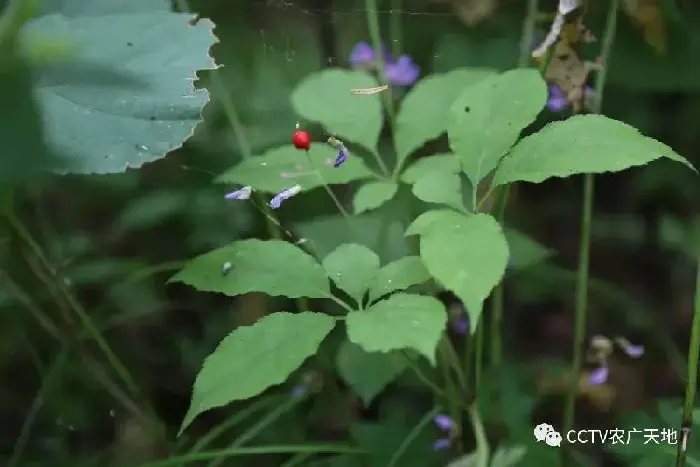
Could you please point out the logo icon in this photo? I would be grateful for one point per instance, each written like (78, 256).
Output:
(546, 432)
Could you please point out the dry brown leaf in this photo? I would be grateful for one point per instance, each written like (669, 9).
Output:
(646, 14)
(569, 72)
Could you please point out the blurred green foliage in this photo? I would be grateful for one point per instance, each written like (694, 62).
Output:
(112, 241)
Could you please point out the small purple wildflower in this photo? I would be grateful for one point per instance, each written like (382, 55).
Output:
(404, 72)
(444, 422)
(284, 195)
(362, 55)
(557, 101)
(442, 444)
(599, 375)
(341, 157)
(243, 193)
(632, 350)
(459, 320)
(460, 324)
(299, 390)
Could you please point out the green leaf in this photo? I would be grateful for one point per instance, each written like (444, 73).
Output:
(508, 456)
(468, 257)
(352, 267)
(127, 96)
(284, 166)
(273, 267)
(424, 111)
(325, 97)
(398, 275)
(440, 188)
(487, 118)
(580, 144)
(379, 230)
(438, 162)
(368, 374)
(524, 251)
(371, 195)
(402, 321)
(430, 220)
(253, 358)
(21, 128)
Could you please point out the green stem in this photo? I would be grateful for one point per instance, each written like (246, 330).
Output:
(411, 437)
(497, 302)
(483, 451)
(425, 380)
(77, 308)
(264, 422)
(585, 239)
(46, 387)
(299, 459)
(692, 378)
(256, 450)
(246, 151)
(479, 356)
(230, 422)
(372, 16)
(395, 27)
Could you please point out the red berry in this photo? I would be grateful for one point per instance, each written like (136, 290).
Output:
(301, 140)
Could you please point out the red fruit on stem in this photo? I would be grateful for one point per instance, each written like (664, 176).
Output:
(301, 140)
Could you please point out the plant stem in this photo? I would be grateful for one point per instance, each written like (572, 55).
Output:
(255, 450)
(497, 302)
(483, 451)
(412, 435)
(246, 151)
(77, 308)
(692, 378)
(264, 422)
(372, 15)
(479, 356)
(585, 238)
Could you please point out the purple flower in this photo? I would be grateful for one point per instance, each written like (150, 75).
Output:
(634, 351)
(599, 375)
(460, 324)
(341, 157)
(362, 55)
(558, 101)
(403, 72)
(444, 422)
(459, 320)
(243, 193)
(284, 195)
(299, 390)
(442, 444)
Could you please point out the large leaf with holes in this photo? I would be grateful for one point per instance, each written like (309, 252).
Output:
(253, 358)
(126, 97)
